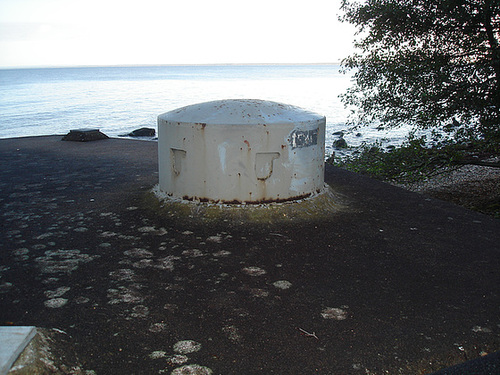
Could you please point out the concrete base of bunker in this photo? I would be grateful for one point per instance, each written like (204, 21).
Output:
(317, 207)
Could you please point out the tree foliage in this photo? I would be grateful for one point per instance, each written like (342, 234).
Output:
(426, 63)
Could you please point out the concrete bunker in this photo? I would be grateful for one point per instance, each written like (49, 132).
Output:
(241, 151)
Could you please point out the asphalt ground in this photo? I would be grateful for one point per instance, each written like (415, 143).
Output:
(391, 282)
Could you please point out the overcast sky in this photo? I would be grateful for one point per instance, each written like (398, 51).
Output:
(122, 32)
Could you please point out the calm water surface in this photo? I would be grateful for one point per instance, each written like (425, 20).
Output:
(118, 100)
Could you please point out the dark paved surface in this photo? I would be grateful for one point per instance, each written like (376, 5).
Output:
(487, 365)
(396, 284)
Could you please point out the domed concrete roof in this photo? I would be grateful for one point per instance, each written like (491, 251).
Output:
(240, 112)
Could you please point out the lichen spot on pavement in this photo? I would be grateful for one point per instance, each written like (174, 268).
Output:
(55, 303)
(254, 271)
(177, 359)
(186, 346)
(192, 370)
(282, 284)
(335, 313)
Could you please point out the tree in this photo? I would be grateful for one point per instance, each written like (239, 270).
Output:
(426, 63)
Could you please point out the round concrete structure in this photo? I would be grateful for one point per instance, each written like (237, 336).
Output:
(241, 151)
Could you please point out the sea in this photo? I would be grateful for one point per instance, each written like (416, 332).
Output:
(118, 100)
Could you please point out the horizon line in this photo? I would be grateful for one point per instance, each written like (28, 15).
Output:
(158, 65)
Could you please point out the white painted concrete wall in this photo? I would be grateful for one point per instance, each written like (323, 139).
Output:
(241, 151)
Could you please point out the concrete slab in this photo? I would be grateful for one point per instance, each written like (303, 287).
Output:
(13, 340)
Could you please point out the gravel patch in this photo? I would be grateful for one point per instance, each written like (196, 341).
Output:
(451, 178)
(471, 186)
